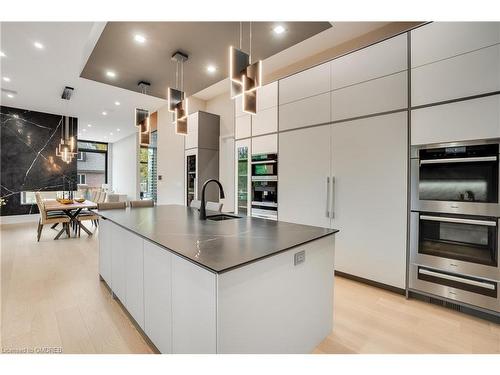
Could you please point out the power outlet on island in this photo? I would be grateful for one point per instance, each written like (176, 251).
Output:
(299, 257)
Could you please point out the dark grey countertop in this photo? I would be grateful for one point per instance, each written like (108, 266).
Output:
(218, 246)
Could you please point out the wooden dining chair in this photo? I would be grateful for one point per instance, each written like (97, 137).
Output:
(111, 205)
(85, 217)
(52, 219)
(142, 203)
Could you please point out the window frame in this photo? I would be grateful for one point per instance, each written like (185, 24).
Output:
(106, 170)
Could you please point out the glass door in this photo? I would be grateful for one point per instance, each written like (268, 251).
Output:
(242, 180)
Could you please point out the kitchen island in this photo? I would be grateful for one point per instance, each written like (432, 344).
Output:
(243, 285)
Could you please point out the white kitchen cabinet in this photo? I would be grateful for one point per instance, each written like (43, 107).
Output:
(459, 121)
(265, 121)
(303, 174)
(194, 316)
(134, 276)
(158, 296)
(381, 59)
(304, 84)
(310, 111)
(267, 96)
(469, 74)
(265, 144)
(192, 131)
(369, 197)
(105, 251)
(440, 40)
(243, 126)
(378, 95)
(118, 244)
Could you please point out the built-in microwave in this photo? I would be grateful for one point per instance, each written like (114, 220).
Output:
(264, 166)
(460, 177)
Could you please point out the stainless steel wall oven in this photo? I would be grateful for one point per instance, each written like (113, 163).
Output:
(265, 186)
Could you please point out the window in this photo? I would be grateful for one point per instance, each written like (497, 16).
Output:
(147, 168)
(92, 163)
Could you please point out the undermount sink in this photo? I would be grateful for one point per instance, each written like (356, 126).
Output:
(220, 217)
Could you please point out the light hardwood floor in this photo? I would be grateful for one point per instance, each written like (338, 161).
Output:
(52, 297)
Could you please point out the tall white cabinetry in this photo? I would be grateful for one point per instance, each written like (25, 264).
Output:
(350, 174)
(452, 61)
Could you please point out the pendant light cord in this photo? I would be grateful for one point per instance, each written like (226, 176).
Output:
(250, 49)
(240, 33)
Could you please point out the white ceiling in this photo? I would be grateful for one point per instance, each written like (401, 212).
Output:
(339, 33)
(39, 76)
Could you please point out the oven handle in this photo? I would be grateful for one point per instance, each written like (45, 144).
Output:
(458, 160)
(456, 278)
(458, 220)
(264, 162)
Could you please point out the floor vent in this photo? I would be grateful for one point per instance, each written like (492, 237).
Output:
(449, 305)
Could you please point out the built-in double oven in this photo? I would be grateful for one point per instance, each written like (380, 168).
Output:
(454, 222)
(265, 186)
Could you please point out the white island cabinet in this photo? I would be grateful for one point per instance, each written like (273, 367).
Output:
(281, 303)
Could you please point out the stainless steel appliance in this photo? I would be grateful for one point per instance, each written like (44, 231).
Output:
(459, 177)
(265, 186)
(454, 222)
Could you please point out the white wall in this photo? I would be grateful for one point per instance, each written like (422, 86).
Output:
(125, 166)
(223, 106)
(170, 160)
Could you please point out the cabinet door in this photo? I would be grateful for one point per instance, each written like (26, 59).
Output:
(440, 40)
(307, 83)
(158, 296)
(378, 60)
(192, 135)
(303, 173)
(242, 126)
(194, 318)
(265, 121)
(267, 96)
(378, 95)
(266, 144)
(118, 254)
(469, 74)
(369, 159)
(310, 111)
(459, 121)
(105, 250)
(134, 276)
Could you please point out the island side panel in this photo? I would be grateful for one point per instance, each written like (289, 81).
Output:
(275, 306)
(105, 251)
(194, 306)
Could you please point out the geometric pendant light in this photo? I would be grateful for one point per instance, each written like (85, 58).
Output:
(176, 97)
(66, 149)
(245, 77)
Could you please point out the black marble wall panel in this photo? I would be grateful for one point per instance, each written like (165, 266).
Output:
(28, 157)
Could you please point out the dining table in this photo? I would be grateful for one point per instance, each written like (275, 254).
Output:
(72, 210)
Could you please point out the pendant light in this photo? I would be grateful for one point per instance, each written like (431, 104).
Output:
(66, 149)
(176, 97)
(245, 78)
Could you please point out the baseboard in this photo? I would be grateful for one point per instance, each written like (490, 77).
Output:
(16, 219)
(371, 282)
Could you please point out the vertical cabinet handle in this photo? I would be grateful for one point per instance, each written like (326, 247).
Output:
(327, 196)
(332, 209)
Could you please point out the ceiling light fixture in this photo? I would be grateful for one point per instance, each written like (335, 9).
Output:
(89, 125)
(2, 54)
(211, 69)
(84, 130)
(104, 113)
(110, 133)
(118, 129)
(6, 79)
(10, 95)
(117, 103)
(38, 45)
(245, 77)
(139, 38)
(176, 98)
(279, 29)
(111, 74)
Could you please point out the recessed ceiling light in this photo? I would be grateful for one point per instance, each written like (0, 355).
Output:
(279, 29)
(118, 130)
(38, 45)
(110, 133)
(104, 113)
(10, 95)
(84, 130)
(89, 125)
(111, 74)
(139, 38)
(2, 54)
(211, 69)
(105, 137)
(6, 79)
(117, 103)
